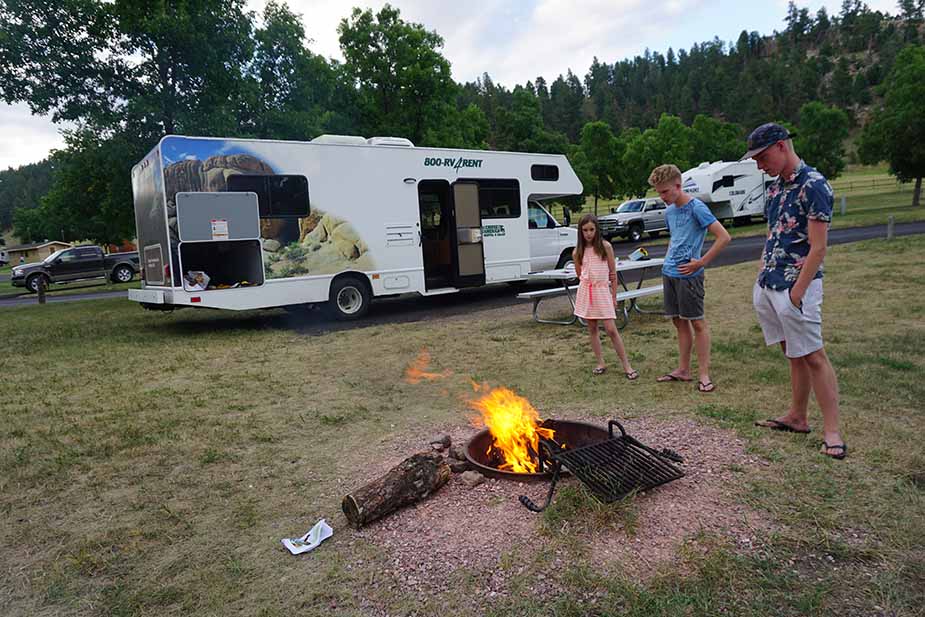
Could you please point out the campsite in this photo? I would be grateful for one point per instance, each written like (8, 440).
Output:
(323, 321)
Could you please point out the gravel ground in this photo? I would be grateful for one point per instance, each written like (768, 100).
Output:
(472, 528)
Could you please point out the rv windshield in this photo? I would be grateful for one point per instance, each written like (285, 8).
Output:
(630, 206)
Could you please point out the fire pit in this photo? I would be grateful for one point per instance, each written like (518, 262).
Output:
(571, 434)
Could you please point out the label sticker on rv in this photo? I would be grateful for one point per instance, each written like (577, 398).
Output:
(690, 186)
(219, 229)
(454, 163)
(493, 230)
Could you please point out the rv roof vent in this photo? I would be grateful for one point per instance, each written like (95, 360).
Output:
(390, 141)
(343, 140)
(703, 165)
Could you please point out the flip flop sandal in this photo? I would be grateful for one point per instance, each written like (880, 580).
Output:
(777, 425)
(600, 370)
(842, 447)
(706, 387)
(669, 377)
(632, 375)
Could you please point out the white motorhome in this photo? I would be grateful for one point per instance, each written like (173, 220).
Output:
(243, 224)
(733, 190)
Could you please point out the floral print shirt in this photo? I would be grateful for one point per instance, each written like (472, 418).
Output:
(791, 203)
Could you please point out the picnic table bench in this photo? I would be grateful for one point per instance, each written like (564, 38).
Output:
(627, 297)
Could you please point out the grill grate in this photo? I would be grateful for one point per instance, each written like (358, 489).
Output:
(611, 469)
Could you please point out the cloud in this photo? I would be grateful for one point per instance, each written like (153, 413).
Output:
(26, 138)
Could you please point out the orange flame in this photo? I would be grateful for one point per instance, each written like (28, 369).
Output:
(417, 370)
(514, 426)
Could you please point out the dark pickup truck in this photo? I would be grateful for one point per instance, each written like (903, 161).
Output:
(76, 264)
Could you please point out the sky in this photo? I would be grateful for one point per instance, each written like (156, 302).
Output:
(512, 40)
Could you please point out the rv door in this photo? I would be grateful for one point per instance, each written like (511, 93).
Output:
(469, 252)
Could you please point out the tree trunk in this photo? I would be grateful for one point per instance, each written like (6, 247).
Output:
(595, 204)
(410, 481)
(917, 193)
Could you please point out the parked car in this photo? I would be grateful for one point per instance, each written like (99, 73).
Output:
(76, 264)
(633, 218)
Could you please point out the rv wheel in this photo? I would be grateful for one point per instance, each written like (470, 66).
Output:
(349, 299)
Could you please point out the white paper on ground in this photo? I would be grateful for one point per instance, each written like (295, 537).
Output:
(316, 535)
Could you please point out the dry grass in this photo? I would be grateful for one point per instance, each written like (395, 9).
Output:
(149, 464)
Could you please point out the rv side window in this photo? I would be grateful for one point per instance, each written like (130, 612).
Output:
(277, 196)
(725, 181)
(499, 199)
(549, 173)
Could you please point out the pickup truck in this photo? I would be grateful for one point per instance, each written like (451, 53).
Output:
(76, 264)
(635, 217)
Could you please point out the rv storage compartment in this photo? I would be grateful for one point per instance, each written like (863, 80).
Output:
(228, 263)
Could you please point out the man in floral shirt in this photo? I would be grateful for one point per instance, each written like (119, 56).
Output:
(788, 292)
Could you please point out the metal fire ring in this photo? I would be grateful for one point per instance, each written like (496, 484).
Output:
(574, 434)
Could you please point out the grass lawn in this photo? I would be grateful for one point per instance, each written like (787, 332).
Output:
(150, 463)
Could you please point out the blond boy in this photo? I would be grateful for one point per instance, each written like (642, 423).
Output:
(688, 221)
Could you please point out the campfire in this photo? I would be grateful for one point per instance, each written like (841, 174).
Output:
(515, 430)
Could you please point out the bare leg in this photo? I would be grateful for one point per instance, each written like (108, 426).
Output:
(702, 343)
(800, 387)
(617, 342)
(595, 342)
(685, 343)
(825, 386)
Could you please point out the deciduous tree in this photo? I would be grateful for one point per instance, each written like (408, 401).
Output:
(896, 131)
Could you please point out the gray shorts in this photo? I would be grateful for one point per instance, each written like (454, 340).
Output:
(799, 327)
(683, 297)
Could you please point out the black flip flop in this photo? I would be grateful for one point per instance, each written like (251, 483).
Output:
(842, 446)
(777, 425)
(668, 377)
(706, 386)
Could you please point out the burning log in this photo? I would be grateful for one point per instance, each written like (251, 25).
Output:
(410, 481)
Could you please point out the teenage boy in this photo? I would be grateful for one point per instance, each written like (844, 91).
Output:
(688, 221)
(788, 292)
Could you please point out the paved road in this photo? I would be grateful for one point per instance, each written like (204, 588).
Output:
(414, 308)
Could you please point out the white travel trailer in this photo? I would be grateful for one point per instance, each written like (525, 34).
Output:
(733, 190)
(244, 224)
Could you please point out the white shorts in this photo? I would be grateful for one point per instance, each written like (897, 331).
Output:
(799, 327)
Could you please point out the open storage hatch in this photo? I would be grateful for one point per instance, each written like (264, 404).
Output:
(220, 238)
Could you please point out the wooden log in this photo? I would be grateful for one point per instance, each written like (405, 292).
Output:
(410, 481)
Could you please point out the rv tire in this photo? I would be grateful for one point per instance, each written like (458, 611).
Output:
(350, 298)
(564, 261)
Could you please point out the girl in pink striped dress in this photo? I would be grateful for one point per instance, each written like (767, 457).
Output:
(597, 291)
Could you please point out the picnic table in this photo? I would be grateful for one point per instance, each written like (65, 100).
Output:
(628, 297)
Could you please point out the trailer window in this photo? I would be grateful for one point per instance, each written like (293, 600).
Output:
(548, 173)
(282, 196)
(499, 199)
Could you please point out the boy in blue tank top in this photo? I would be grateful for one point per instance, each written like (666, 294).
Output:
(688, 221)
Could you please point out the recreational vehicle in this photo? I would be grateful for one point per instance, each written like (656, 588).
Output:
(732, 190)
(244, 224)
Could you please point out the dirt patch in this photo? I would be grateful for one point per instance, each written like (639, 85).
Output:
(475, 528)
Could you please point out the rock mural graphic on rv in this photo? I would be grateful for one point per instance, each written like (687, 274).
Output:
(317, 244)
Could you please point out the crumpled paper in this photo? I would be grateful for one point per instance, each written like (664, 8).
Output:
(310, 541)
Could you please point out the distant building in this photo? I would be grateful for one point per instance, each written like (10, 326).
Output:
(36, 251)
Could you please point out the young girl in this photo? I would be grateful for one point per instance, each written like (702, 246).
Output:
(597, 291)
